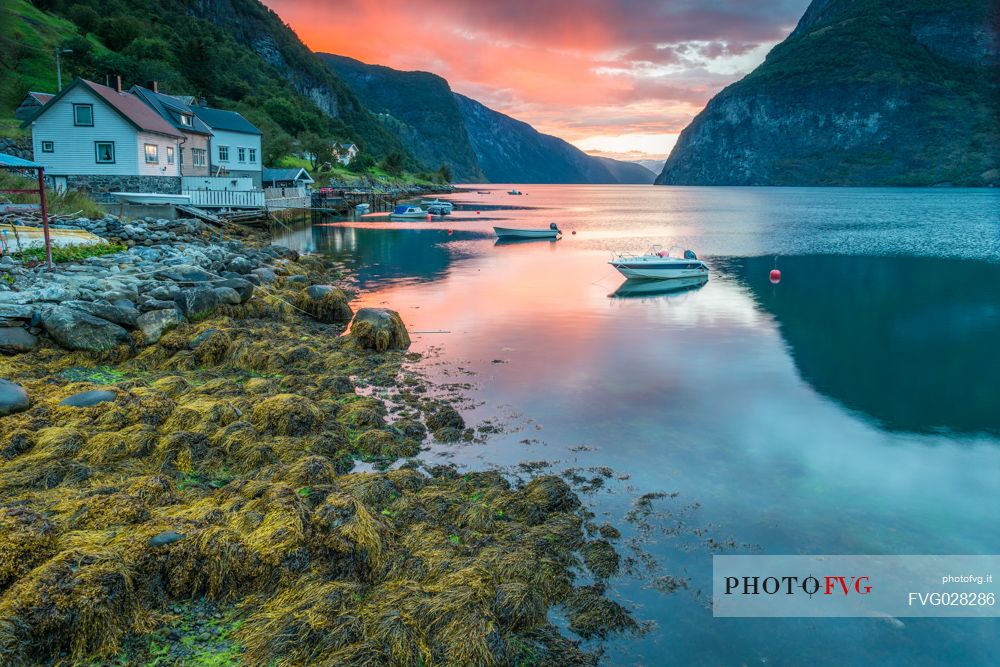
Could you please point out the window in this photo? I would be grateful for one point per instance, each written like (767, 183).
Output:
(83, 114)
(105, 152)
(223, 153)
(181, 156)
(170, 154)
(152, 154)
(198, 157)
(241, 154)
(253, 154)
(185, 119)
(48, 147)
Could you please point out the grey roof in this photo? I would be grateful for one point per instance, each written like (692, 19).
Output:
(170, 109)
(271, 174)
(14, 161)
(219, 119)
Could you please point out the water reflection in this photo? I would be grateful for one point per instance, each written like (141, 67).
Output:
(650, 288)
(908, 341)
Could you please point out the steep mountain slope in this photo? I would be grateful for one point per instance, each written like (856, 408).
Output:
(234, 53)
(419, 106)
(511, 151)
(863, 92)
(627, 172)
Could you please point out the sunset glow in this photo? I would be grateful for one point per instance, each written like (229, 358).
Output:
(620, 78)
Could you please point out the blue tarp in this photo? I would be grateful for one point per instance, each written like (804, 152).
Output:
(401, 209)
(12, 161)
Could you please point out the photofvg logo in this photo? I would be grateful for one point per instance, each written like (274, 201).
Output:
(873, 586)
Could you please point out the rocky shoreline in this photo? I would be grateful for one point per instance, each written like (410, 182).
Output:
(180, 422)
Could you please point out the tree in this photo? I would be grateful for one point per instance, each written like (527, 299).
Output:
(393, 163)
(86, 18)
(361, 163)
(318, 148)
(445, 173)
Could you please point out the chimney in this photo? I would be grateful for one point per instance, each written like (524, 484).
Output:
(156, 88)
(118, 82)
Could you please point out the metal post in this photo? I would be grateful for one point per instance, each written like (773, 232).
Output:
(45, 216)
(58, 70)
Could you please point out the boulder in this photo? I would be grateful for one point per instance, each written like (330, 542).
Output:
(325, 303)
(228, 296)
(14, 340)
(157, 322)
(265, 275)
(379, 329)
(86, 399)
(185, 273)
(241, 265)
(125, 317)
(197, 303)
(13, 398)
(78, 330)
(243, 287)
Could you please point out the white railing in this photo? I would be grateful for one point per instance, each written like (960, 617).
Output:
(226, 198)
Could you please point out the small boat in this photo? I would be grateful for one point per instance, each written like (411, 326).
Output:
(482, 192)
(515, 192)
(14, 238)
(437, 203)
(150, 198)
(438, 209)
(632, 288)
(658, 264)
(403, 212)
(511, 233)
(361, 209)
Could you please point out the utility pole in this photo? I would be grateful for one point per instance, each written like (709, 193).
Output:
(59, 52)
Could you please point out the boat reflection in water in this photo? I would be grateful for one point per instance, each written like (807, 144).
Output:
(633, 288)
(511, 240)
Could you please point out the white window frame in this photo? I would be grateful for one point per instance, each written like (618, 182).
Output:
(198, 156)
(253, 156)
(186, 120)
(170, 154)
(76, 118)
(241, 154)
(156, 153)
(223, 153)
(48, 146)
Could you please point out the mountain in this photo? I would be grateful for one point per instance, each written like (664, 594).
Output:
(236, 54)
(419, 107)
(627, 172)
(655, 166)
(863, 92)
(511, 151)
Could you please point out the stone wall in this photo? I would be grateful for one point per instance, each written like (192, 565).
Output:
(20, 147)
(100, 187)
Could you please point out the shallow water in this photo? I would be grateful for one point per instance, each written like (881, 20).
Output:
(852, 408)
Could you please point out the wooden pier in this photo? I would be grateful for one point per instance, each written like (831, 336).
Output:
(344, 201)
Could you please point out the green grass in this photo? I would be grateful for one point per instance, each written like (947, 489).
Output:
(70, 253)
(66, 202)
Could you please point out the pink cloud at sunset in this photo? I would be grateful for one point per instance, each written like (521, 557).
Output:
(614, 77)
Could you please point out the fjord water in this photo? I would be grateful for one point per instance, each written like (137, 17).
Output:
(853, 408)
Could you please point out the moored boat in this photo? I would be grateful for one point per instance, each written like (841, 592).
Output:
(513, 233)
(150, 198)
(437, 203)
(361, 209)
(659, 265)
(515, 191)
(403, 212)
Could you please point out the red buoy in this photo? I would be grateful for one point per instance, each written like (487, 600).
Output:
(775, 276)
(574, 232)
(450, 232)
(428, 217)
(477, 212)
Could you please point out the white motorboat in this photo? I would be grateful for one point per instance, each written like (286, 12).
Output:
(361, 209)
(659, 265)
(150, 198)
(514, 192)
(512, 233)
(437, 203)
(404, 212)
(439, 209)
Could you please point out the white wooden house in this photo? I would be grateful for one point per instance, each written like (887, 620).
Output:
(346, 153)
(99, 139)
(235, 148)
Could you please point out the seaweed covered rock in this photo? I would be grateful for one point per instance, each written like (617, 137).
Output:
(379, 329)
(26, 538)
(86, 399)
(287, 414)
(601, 559)
(77, 330)
(197, 303)
(325, 303)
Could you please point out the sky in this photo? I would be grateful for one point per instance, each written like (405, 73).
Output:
(619, 78)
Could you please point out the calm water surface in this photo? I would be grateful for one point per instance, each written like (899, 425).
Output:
(853, 408)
